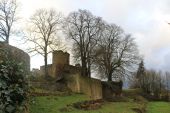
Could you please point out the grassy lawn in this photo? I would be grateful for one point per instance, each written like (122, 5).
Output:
(56, 104)
(158, 107)
(53, 104)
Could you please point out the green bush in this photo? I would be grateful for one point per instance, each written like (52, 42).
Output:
(13, 87)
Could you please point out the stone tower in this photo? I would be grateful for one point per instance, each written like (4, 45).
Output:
(60, 59)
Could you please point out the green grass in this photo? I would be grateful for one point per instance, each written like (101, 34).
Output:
(158, 107)
(53, 104)
(117, 107)
(131, 92)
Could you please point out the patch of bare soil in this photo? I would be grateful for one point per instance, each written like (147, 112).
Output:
(89, 105)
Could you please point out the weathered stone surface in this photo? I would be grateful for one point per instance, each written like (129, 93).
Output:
(60, 59)
(16, 54)
(81, 84)
(65, 74)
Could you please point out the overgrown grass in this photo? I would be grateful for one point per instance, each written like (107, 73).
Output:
(158, 107)
(60, 104)
(53, 104)
(131, 92)
(63, 104)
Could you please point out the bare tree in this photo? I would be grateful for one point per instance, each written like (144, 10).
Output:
(42, 33)
(84, 29)
(7, 18)
(167, 83)
(153, 83)
(116, 53)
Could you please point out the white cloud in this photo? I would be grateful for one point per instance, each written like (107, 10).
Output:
(145, 20)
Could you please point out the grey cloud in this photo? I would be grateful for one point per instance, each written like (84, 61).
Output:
(144, 19)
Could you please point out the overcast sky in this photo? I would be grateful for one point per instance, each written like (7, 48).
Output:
(146, 20)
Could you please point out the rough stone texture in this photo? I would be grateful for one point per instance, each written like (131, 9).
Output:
(50, 86)
(36, 72)
(60, 57)
(14, 53)
(89, 86)
(61, 69)
(49, 68)
(60, 60)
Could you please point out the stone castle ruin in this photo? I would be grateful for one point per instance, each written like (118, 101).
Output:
(61, 69)
(60, 60)
(64, 74)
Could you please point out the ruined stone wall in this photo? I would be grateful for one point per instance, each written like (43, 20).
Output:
(92, 87)
(49, 69)
(89, 86)
(72, 69)
(73, 82)
(14, 53)
(50, 86)
(36, 72)
(60, 59)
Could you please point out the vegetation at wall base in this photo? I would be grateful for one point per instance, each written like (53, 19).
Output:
(13, 87)
(130, 102)
(64, 104)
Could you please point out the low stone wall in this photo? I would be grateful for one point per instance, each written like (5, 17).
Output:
(50, 86)
(49, 69)
(89, 86)
(16, 54)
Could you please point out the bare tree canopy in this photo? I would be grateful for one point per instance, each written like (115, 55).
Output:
(153, 83)
(7, 18)
(42, 33)
(84, 29)
(116, 53)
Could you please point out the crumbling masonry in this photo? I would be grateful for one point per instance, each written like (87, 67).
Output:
(61, 69)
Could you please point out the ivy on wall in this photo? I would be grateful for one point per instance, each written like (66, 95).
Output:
(13, 86)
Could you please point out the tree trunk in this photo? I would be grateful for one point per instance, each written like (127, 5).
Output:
(89, 71)
(89, 68)
(7, 39)
(109, 77)
(45, 61)
(45, 68)
(8, 33)
(84, 67)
